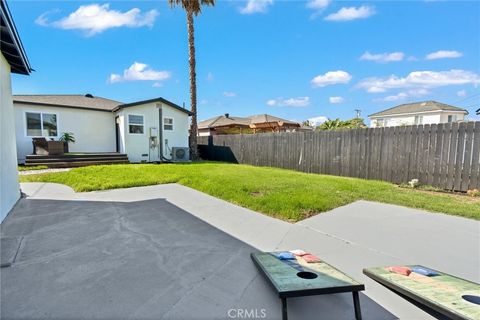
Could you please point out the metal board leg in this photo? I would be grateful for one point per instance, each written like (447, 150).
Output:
(356, 305)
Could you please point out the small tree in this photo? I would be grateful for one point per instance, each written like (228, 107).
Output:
(337, 124)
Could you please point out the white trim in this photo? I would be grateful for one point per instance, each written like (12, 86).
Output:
(173, 123)
(25, 129)
(420, 112)
(135, 124)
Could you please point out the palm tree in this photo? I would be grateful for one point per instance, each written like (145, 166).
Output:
(192, 8)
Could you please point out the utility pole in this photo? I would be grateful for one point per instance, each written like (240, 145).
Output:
(357, 111)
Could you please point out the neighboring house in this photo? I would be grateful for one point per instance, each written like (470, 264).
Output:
(12, 60)
(103, 125)
(227, 124)
(427, 112)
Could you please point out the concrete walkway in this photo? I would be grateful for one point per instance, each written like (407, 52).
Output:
(119, 253)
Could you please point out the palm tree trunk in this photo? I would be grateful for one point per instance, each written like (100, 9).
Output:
(193, 86)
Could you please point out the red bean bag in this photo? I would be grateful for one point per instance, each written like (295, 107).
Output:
(404, 271)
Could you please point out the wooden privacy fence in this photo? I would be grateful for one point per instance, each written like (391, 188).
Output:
(445, 155)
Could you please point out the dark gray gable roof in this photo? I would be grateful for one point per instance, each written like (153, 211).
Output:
(159, 99)
(10, 43)
(221, 121)
(75, 101)
(415, 107)
(267, 118)
(478, 111)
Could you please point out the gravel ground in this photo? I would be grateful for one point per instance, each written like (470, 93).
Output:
(43, 171)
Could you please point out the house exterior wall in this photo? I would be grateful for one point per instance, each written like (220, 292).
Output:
(409, 119)
(138, 146)
(94, 131)
(9, 186)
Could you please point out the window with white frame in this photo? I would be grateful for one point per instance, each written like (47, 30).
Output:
(452, 118)
(41, 124)
(418, 119)
(380, 122)
(168, 124)
(135, 124)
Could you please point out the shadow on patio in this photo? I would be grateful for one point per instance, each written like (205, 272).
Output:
(143, 260)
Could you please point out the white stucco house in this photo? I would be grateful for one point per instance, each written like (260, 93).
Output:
(147, 131)
(12, 60)
(426, 112)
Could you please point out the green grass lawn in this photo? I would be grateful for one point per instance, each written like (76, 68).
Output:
(285, 194)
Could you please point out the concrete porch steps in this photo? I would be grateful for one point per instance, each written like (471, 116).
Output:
(75, 160)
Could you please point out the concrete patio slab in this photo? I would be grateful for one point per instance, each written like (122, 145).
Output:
(170, 252)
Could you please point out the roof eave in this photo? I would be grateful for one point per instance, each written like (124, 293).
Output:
(59, 105)
(18, 61)
(159, 99)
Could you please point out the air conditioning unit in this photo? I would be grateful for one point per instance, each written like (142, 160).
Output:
(180, 154)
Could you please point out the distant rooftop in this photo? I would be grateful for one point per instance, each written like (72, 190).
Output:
(228, 120)
(87, 101)
(416, 107)
(224, 120)
(263, 118)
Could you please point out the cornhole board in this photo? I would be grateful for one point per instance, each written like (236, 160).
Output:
(444, 293)
(297, 278)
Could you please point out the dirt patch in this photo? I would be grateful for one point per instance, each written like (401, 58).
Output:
(457, 195)
(257, 194)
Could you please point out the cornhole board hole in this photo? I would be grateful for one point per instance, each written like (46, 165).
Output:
(451, 296)
(297, 278)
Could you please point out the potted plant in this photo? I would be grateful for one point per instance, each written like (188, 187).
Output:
(67, 137)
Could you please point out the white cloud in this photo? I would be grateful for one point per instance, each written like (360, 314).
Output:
(462, 93)
(229, 94)
(96, 18)
(420, 79)
(404, 95)
(396, 97)
(291, 102)
(140, 71)
(442, 54)
(351, 13)
(157, 84)
(318, 4)
(331, 77)
(335, 100)
(383, 57)
(210, 77)
(316, 121)
(256, 6)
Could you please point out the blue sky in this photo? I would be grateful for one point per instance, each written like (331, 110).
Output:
(294, 59)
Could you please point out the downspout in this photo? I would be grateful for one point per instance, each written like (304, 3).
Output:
(160, 135)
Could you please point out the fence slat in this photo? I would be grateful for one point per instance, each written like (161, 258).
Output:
(475, 169)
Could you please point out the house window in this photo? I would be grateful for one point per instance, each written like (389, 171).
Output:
(168, 124)
(135, 124)
(41, 124)
(452, 118)
(380, 122)
(418, 119)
